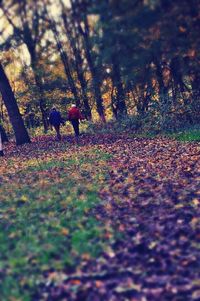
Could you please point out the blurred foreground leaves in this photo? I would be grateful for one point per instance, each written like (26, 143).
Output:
(116, 218)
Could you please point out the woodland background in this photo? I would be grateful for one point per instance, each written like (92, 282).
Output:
(136, 62)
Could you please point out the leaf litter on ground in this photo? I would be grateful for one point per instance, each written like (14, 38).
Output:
(144, 230)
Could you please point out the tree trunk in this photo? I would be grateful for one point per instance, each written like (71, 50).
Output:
(41, 102)
(175, 66)
(120, 93)
(4, 137)
(65, 61)
(107, 18)
(78, 65)
(163, 90)
(29, 36)
(16, 120)
(1, 146)
(72, 85)
(95, 80)
(93, 70)
(40, 92)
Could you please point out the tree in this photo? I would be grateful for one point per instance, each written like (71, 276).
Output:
(75, 44)
(30, 32)
(16, 120)
(79, 14)
(4, 136)
(64, 58)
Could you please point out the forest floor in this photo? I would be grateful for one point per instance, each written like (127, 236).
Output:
(111, 219)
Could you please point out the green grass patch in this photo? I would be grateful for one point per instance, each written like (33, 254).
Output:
(184, 136)
(45, 221)
(188, 135)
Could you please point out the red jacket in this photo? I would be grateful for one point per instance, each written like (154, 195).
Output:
(74, 113)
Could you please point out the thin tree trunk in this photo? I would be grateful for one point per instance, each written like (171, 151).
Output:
(163, 90)
(65, 61)
(2, 113)
(95, 79)
(78, 65)
(40, 93)
(34, 67)
(113, 102)
(93, 70)
(1, 146)
(16, 120)
(115, 61)
(120, 95)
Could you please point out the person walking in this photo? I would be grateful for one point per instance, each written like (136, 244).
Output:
(55, 121)
(74, 115)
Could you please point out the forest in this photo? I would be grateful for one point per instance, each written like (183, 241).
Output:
(110, 212)
(113, 59)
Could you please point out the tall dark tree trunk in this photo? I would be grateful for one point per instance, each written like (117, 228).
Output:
(4, 136)
(16, 120)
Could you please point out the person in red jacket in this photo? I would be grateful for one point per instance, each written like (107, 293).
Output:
(74, 116)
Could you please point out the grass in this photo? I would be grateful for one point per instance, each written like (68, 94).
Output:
(187, 135)
(190, 135)
(45, 223)
(134, 128)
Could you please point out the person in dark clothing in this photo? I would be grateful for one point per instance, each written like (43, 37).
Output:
(55, 120)
(74, 116)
